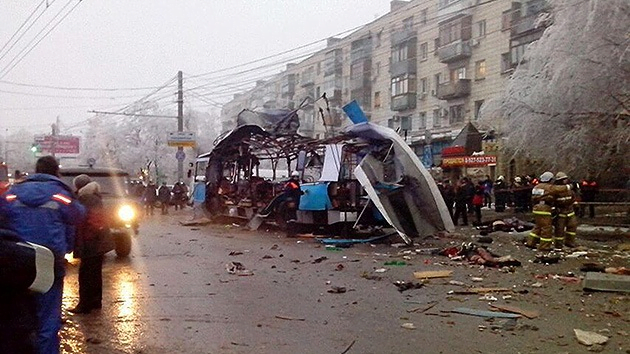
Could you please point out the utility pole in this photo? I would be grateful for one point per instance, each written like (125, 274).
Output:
(180, 123)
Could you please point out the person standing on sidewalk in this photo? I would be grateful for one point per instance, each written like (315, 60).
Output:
(42, 210)
(93, 241)
(461, 202)
(164, 196)
(149, 198)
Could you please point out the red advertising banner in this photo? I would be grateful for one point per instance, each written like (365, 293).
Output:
(59, 144)
(469, 161)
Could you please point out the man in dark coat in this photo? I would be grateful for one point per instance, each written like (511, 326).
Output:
(164, 196)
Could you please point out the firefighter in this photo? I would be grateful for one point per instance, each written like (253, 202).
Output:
(566, 222)
(543, 200)
(293, 193)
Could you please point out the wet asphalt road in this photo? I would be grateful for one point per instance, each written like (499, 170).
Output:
(175, 294)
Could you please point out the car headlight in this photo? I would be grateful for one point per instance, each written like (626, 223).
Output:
(126, 213)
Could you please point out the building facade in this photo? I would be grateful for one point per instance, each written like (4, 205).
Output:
(425, 69)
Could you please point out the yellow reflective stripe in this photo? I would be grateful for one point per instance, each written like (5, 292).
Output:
(546, 239)
(533, 235)
(542, 213)
(559, 238)
(570, 233)
(571, 214)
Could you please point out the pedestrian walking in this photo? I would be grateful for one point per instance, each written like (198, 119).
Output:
(461, 202)
(149, 198)
(164, 196)
(42, 210)
(93, 241)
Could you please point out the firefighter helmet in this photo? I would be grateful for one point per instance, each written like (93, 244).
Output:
(561, 176)
(546, 177)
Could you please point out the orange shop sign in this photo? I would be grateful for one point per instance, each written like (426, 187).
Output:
(469, 161)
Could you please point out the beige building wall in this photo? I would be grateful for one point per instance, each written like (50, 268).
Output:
(427, 115)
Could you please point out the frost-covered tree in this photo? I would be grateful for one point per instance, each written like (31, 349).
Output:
(568, 103)
(138, 140)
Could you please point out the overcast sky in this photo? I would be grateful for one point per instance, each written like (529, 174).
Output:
(124, 44)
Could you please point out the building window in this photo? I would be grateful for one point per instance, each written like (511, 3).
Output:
(437, 119)
(400, 53)
(423, 16)
(478, 105)
(506, 64)
(480, 70)
(458, 74)
(405, 123)
(480, 28)
(403, 84)
(506, 20)
(438, 81)
(423, 86)
(456, 114)
(422, 122)
(377, 99)
(436, 45)
(517, 53)
(424, 51)
(408, 24)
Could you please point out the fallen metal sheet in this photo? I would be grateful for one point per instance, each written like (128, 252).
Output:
(513, 309)
(415, 209)
(336, 241)
(484, 313)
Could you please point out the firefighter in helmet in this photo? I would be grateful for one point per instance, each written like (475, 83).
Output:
(566, 222)
(543, 200)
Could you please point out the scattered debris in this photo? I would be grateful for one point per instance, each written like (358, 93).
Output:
(423, 309)
(513, 309)
(433, 274)
(488, 297)
(339, 267)
(337, 290)
(237, 268)
(471, 291)
(478, 255)
(408, 325)
(395, 263)
(380, 270)
(606, 282)
(589, 338)
(403, 285)
(484, 313)
(319, 260)
(235, 253)
(577, 254)
(289, 318)
(548, 258)
(348, 347)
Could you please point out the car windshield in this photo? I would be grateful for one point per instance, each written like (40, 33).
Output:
(110, 185)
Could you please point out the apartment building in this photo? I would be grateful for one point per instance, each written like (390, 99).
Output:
(426, 69)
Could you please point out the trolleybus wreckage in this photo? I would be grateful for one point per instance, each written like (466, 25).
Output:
(364, 178)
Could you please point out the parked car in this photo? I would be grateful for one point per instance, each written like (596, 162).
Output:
(123, 210)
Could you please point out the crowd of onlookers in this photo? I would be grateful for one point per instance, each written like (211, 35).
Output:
(465, 196)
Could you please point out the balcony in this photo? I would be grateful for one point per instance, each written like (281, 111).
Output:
(451, 8)
(454, 51)
(404, 102)
(523, 25)
(403, 67)
(456, 89)
(307, 81)
(401, 36)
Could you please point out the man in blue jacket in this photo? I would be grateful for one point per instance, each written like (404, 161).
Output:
(43, 210)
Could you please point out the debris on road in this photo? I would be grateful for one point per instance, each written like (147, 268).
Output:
(513, 309)
(408, 325)
(337, 290)
(484, 313)
(290, 318)
(607, 282)
(237, 268)
(430, 274)
(403, 285)
(589, 338)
